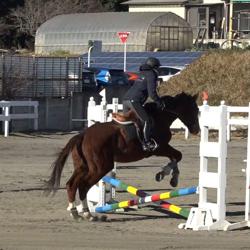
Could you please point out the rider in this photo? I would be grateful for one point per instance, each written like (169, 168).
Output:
(137, 95)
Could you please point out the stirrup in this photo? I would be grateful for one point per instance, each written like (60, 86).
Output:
(150, 146)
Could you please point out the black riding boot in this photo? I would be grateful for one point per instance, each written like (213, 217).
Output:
(148, 144)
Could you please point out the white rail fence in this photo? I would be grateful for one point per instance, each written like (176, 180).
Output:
(6, 115)
(236, 121)
(102, 113)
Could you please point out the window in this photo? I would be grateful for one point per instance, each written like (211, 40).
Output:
(202, 21)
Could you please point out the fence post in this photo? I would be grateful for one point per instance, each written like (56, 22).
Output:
(3, 75)
(115, 102)
(67, 77)
(36, 119)
(228, 126)
(104, 111)
(70, 109)
(47, 112)
(90, 110)
(112, 174)
(247, 208)
(6, 110)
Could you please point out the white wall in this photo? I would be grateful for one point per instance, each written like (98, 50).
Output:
(178, 10)
(212, 1)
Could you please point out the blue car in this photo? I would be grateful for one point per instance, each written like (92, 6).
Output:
(103, 77)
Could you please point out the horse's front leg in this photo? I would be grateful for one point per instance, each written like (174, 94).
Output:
(175, 156)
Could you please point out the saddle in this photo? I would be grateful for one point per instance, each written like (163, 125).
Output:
(126, 119)
(135, 130)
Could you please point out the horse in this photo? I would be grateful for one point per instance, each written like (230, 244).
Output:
(95, 149)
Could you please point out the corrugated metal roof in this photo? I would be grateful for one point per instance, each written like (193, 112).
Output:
(107, 21)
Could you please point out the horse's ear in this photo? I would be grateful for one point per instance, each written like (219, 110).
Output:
(195, 97)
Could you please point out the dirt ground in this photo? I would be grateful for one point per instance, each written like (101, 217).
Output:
(31, 221)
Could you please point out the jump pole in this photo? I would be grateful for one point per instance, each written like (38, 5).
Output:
(145, 198)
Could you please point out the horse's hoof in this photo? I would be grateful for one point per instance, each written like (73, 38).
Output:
(79, 218)
(73, 212)
(104, 218)
(159, 176)
(174, 182)
(93, 218)
(75, 215)
(88, 216)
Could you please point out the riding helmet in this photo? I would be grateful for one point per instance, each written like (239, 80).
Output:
(153, 62)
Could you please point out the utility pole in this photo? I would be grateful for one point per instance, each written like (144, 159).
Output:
(90, 46)
(230, 30)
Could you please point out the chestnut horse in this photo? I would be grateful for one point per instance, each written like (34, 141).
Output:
(95, 150)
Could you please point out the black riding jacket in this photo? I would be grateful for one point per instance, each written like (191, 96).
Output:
(145, 87)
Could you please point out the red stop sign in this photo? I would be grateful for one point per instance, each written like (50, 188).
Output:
(123, 36)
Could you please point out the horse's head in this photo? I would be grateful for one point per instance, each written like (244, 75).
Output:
(186, 109)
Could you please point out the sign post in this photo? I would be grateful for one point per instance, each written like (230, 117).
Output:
(123, 37)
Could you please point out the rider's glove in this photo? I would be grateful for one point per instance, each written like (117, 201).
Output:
(161, 104)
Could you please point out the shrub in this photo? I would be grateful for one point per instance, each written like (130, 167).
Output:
(59, 53)
(224, 74)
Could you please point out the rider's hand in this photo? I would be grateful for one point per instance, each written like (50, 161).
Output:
(161, 105)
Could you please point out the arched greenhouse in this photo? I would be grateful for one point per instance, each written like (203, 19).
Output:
(148, 32)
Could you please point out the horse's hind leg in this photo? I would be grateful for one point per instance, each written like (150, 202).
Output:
(99, 164)
(89, 175)
(72, 185)
(77, 181)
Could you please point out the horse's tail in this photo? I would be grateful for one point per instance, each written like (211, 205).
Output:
(54, 182)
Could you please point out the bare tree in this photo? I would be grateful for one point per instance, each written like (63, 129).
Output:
(94, 6)
(3, 26)
(35, 12)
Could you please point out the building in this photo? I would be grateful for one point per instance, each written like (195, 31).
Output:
(149, 31)
(208, 18)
